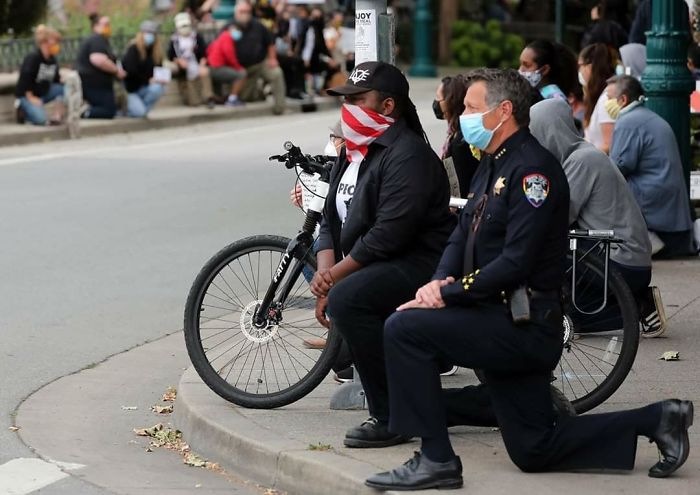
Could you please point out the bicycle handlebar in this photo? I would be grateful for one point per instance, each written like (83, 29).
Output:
(294, 157)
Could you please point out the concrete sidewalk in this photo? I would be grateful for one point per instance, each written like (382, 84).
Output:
(273, 446)
(160, 117)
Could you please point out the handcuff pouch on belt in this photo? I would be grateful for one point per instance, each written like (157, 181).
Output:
(518, 302)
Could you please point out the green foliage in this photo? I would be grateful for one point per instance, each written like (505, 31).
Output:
(21, 15)
(477, 45)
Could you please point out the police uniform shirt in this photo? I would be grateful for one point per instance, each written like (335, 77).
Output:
(522, 234)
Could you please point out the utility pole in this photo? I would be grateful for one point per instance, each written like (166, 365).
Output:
(374, 32)
(666, 79)
(423, 65)
(560, 21)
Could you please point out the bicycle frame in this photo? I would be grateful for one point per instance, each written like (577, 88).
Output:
(300, 246)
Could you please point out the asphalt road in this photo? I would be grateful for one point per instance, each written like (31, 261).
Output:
(101, 238)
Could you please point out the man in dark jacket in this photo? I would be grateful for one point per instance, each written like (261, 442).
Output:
(386, 221)
(257, 53)
(494, 304)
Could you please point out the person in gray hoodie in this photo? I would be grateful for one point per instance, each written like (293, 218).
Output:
(602, 200)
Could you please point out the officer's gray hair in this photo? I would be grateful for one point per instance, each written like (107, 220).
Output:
(628, 86)
(502, 85)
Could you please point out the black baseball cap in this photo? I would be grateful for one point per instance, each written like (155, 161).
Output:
(378, 76)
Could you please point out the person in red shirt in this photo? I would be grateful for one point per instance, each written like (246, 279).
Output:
(224, 65)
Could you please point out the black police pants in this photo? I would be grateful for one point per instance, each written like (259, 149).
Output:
(517, 362)
(358, 306)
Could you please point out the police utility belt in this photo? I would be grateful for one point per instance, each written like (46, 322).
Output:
(518, 302)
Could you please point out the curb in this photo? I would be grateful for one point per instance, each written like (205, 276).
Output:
(215, 429)
(125, 125)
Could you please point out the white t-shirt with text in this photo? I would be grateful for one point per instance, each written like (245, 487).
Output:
(346, 190)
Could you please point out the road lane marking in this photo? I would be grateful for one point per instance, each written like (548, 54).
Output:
(22, 476)
(129, 147)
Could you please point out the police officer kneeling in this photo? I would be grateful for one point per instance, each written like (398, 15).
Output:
(510, 245)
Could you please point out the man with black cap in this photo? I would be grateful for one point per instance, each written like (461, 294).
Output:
(386, 221)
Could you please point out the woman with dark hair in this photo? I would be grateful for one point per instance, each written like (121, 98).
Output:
(550, 68)
(449, 105)
(596, 65)
(97, 66)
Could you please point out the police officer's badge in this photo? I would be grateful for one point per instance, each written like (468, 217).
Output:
(536, 189)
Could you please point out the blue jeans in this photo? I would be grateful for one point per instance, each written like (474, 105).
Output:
(141, 101)
(36, 114)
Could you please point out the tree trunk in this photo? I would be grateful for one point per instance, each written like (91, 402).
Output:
(449, 10)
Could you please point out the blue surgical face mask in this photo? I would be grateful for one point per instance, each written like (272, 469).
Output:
(149, 38)
(473, 130)
(236, 34)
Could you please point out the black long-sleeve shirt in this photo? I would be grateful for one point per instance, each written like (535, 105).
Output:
(37, 74)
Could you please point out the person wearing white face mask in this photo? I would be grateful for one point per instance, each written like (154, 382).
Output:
(550, 68)
(188, 51)
(596, 65)
(144, 53)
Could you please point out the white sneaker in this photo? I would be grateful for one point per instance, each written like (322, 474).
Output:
(656, 243)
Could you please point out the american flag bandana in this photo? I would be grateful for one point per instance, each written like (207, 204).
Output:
(361, 127)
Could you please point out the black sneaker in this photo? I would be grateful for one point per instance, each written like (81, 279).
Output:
(652, 316)
(372, 434)
(20, 115)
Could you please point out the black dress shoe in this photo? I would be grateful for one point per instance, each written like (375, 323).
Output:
(671, 437)
(372, 434)
(420, 473)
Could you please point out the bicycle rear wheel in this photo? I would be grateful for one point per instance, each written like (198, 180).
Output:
(256, 367)
(599, 349)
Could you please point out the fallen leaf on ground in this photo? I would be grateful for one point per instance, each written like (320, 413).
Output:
(170, 394)
(129, 408)
(671, 356)
(319, 446)
(148, 432)
(194, 460)
(14, 428)
(162, 409)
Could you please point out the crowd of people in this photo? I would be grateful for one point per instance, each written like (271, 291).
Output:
(269, 47)
(412, 293)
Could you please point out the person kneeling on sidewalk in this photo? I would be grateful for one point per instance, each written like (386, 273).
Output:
(144, 53)
(257, 53)
(188, 51)
(225, 68)
(494, 304)
(385, 222)
(39, 80)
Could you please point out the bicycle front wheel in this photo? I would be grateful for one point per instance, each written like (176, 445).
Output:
(256, 366)
(599, 348)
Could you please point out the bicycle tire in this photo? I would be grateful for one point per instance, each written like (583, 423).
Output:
(193, 328)
(623, 297)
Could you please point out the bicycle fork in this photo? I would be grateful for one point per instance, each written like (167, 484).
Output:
(297, 250)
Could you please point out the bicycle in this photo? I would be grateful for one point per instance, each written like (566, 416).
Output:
(250, 310)
(271, 312)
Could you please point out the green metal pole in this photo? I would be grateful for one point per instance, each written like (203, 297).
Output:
(560, 21)
(422, 41)
(667, 80)
(224, 12)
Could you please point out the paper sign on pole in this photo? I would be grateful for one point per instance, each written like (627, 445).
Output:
(365, 36)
